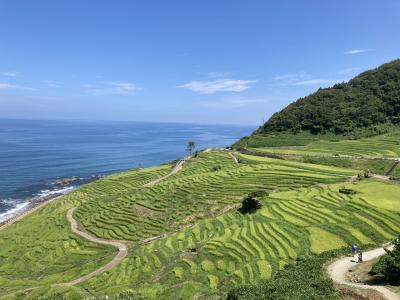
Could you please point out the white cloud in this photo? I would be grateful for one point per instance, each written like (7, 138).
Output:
(218, 85)
(316, 82)
(111, 88)
(9, 73)
(357, 51)
(14, 86)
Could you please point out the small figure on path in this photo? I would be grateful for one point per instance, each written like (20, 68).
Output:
(354, 248)
(360, 259)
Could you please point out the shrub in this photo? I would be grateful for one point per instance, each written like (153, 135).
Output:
(216, 168)
(291, 282)
(347, 191)
(389, 264)
(250, 205)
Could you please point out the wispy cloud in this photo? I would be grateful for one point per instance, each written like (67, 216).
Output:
(234, 102)
(111, 88)
(9, 73)
(347, 71)
(302, 78)
(14, 86)
(52, 83)
(291, 77)
(218, 85)
(318, 81)
(358, 51)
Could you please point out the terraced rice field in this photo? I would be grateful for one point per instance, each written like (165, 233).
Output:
(40, 249)
(206, 246)
(193, 194)
(387, 145)
(232, 249)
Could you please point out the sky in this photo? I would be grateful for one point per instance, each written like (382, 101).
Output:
(225, 61)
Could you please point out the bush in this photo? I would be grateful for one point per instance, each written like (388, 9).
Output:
(250, 205)
(347, 191)
(389, 264)
(304, 279)
(216, 168)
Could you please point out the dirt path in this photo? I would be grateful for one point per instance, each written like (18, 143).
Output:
(233, 157)
(338, 270)
(175, 170)
(122, 249)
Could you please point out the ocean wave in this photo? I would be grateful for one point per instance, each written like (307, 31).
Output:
(13, 211)
(16, 207)
(47, 193)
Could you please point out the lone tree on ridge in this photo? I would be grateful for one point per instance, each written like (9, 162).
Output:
(191, 145)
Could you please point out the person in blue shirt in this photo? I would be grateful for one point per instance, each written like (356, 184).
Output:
(354, 248)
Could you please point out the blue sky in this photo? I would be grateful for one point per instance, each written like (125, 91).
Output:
(183, 61)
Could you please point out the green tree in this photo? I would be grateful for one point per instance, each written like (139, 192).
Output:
(191, 145)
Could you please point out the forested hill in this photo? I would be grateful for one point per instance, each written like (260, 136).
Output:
(371, 98)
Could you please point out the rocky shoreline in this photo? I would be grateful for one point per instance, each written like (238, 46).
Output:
(59, 187)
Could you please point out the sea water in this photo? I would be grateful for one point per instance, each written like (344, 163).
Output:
(39, 159)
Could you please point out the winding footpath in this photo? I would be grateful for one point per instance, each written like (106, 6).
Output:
(122, 249)
(121, 245)
(338, 270)
(175, 170)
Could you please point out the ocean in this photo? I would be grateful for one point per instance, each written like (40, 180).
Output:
(41, 159)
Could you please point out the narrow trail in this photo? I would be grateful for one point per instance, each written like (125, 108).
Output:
(233, 157)
(121, 245)
(175, 170)
(338, 270)
(122, 249)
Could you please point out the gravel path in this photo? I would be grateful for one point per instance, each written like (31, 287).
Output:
(338, 270)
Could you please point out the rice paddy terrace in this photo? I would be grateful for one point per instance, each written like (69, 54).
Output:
(382, 146)
(186, 238)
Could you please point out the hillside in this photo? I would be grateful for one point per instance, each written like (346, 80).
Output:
(184, 234)
(368, 104)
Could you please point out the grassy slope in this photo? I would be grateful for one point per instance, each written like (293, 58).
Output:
(387, 145)
(40, 249)
(214, 247)
(340, 152)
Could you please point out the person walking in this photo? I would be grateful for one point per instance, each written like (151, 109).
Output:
(360, 257)
(354, 248)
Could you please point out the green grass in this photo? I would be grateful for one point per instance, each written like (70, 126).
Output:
(209, 246)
